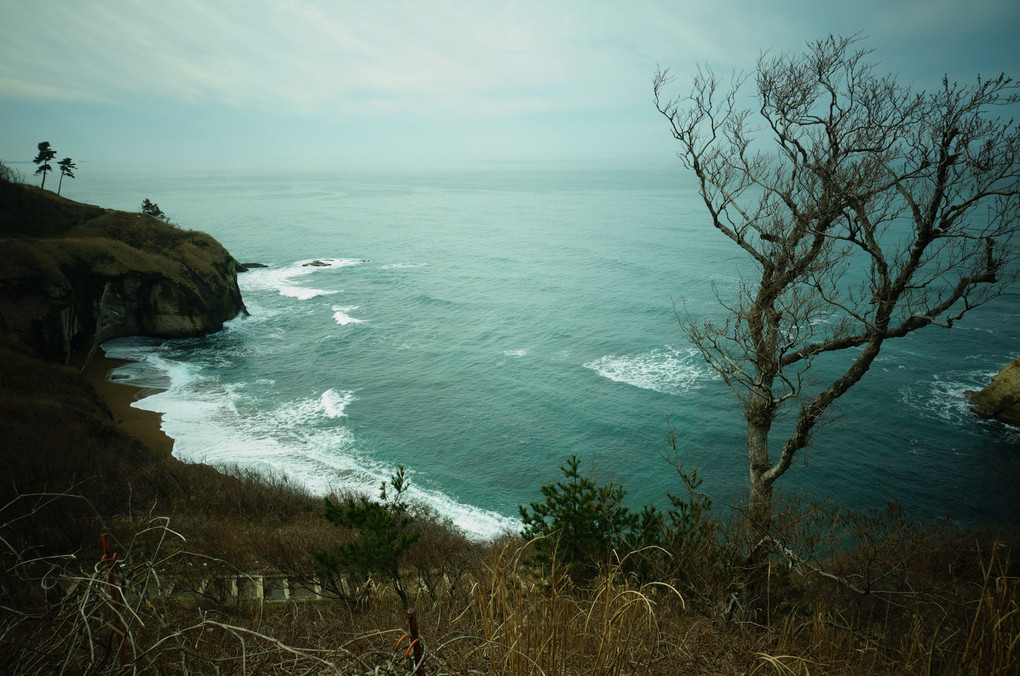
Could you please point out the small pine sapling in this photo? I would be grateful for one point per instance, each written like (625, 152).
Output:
(583, 523)
(383, 534)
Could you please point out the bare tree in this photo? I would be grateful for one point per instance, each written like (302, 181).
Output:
(868, 212)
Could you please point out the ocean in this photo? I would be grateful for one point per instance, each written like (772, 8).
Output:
(479, 321)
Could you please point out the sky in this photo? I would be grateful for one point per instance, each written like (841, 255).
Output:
(249, 82)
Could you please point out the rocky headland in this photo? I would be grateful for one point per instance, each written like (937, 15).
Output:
(1000, 399)
(69, 271)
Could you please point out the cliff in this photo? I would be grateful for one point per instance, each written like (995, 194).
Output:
(1000, 399)
(64, 264)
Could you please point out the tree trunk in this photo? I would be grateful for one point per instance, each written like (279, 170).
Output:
(59, 185)
(759, 509)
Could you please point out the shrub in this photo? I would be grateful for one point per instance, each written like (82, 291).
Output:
(583, 523)
(9, 174)
(383, 535)
(152, 209)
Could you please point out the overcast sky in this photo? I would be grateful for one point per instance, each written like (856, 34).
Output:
(204, 82)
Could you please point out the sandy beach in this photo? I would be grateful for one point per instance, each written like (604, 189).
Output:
(143, 425)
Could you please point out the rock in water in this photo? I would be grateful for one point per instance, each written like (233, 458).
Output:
(1001, 398)
(245, 267)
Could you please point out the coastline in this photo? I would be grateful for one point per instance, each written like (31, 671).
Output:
(146, 426)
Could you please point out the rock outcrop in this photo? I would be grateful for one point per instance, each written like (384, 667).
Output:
(63, 265)
(1001, 398)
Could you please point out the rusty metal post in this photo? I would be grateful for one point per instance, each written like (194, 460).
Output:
(418, 651)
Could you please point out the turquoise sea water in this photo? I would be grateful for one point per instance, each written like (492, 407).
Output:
(478, 322)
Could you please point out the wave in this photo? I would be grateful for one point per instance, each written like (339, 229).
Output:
(145, 367)
(285, 280)
(334, 403)
(944, 397)
(341, 316)
(667, 370)
(241, 425)
(402, 266)
(426, 299)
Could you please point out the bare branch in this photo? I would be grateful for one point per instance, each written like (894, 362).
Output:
(870, 211)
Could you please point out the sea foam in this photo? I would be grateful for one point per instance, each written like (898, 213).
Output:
(334, 403)
(304, 440)
(945, 398)
(342, 318)
(667, 370)
(286, 280)
(402, 266)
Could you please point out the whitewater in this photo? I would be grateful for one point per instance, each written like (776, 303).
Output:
(479, 321)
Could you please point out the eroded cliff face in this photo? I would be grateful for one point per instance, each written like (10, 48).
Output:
(158, 280)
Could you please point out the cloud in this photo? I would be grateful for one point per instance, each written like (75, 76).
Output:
(305, 56)
(506, 74)
(442, 57)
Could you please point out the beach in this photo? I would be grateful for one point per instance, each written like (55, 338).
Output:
(143, 425)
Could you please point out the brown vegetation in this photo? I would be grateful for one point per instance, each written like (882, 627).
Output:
(874, 593)
(494, 614)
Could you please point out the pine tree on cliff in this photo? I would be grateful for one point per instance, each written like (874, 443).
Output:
(46, 153)
(66, 165)
(152, 209)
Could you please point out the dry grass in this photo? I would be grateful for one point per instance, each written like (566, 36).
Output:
(491, 612)
(938, 601)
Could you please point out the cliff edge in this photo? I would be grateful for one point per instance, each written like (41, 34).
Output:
(68, 268)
